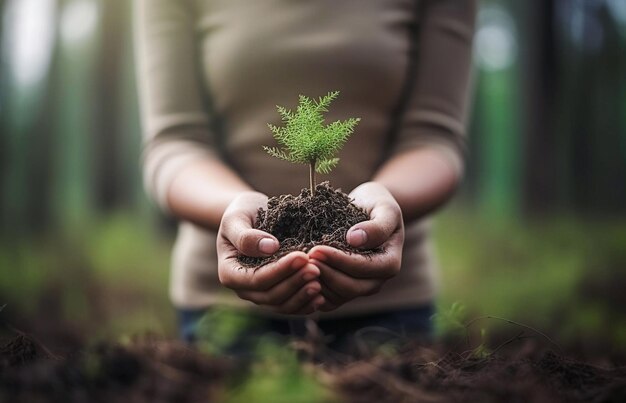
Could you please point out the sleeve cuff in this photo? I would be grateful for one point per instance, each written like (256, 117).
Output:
(163, 161)
(449, 145)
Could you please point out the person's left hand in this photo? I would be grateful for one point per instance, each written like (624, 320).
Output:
(346, 276)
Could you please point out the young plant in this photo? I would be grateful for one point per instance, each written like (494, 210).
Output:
(306, 139)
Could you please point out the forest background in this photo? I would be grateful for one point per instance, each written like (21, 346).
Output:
(537, 234)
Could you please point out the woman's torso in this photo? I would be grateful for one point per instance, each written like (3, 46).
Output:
(255, 55)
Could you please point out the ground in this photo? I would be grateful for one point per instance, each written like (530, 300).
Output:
(86, 317)
(149, 369)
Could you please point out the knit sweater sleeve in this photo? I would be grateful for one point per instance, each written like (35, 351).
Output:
(175, 122)
(436, 109)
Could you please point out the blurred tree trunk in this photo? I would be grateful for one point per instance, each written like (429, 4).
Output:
(591, 105)
(539, 66)
(109, 192)
(599, 166)
(28, 116)
(575, 155)
(496, 150)
(4, 96)
(38, 212)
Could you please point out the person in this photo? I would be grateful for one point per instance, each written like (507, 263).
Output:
(210, 74)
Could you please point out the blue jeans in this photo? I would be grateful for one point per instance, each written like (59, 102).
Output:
(342, 334)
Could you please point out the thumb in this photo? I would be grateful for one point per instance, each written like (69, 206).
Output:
(255, 243)
(237, 230)
(384, 221)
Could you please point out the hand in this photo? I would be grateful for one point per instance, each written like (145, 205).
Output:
(289, 285)
(347, 276)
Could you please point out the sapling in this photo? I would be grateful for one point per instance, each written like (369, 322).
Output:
(306, 139)
(319, 215)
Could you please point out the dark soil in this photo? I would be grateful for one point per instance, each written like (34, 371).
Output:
(423, 375)
(146, 370)
(301, 222)
(149, 369)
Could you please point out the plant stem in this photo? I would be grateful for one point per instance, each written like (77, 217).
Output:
(312, 177)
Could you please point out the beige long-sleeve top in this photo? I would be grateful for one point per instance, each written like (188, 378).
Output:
(211, 73)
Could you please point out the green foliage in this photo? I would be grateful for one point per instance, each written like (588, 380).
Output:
(275, 373)
(451, 320)
(305, 139)
(278, 376)
(109, 278)
(482, 350)
(558, 275)
(220, 326)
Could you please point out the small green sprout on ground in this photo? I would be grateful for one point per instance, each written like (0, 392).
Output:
(306, 139)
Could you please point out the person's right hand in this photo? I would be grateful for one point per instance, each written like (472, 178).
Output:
(289, 285)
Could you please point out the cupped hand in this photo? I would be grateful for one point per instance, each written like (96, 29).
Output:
(289, 286)
(346, 276)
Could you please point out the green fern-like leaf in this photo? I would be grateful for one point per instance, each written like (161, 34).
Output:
(325, 166)
(276, 152)
(306, 139)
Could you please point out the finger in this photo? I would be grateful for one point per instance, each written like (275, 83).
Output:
(307, 310)
(331, 297)
(312, 306)
(385, 219)
(282, 291)
(237, 229)
(307, 294)
(327, 307)
(332, 300)
(233, 276)
(345, 287)
(375, 266)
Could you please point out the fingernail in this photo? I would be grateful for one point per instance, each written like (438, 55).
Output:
(308, 277)
(319, 301)
(357, 237)
(318, 256)
(311, 292)
(268, 245)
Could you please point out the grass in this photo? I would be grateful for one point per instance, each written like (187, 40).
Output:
(559, 274)
(278, 376)
(109, 280)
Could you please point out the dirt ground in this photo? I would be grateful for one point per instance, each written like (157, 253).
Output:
(151, 369)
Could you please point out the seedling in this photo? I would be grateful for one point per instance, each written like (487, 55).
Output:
(306, 139)
(319, 215)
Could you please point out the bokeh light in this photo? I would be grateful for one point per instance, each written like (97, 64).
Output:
(29, 39)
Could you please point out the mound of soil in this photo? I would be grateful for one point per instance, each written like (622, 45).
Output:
(301, 222)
